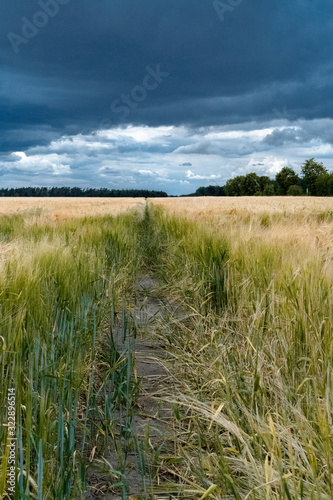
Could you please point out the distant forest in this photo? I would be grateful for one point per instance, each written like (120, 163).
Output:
(57, 192)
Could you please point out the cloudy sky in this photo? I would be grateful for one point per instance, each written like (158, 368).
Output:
(159, 94)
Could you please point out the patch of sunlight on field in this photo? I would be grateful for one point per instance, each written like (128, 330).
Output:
(55, 209)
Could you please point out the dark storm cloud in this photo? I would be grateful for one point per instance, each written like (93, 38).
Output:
(304, 132)
(282, 137)
(264, 56)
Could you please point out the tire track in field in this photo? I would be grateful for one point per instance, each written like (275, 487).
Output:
(151, 420)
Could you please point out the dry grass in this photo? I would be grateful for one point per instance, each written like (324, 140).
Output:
(57, 209)
(221, 207)
(288, 221)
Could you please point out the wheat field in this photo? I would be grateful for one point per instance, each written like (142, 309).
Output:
(303, 221)
(255, 356)
(248, 345)
(65, 208)
(219, 206)
(65, 265)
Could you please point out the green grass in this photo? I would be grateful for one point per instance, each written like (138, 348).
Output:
(58, 284)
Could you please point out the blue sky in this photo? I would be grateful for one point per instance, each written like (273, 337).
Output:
(162, 95)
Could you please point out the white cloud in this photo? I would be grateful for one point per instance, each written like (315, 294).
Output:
(268, 165)
(146, 172)
(160, 157)
(34, 164)
(191, 175)
(139, 134)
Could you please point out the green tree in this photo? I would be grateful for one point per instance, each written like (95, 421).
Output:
(235, 187)
(284, 179)
(251, 184)
(264, 181)
(210, 191)
(311, 170)
(200, 191)
(324, 185)
(295, 190)
(269, 189)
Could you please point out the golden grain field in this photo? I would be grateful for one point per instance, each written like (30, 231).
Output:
(304, 221)
(207, 206)
(66, 208)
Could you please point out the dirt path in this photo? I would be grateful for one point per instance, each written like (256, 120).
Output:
(150, 421)
(156, 380)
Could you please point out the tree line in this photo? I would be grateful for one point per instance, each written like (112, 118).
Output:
(315, 180)
(57, 192)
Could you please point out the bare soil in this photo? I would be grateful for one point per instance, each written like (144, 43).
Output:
(151, 422)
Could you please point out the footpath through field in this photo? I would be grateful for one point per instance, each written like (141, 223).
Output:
(144, 435)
